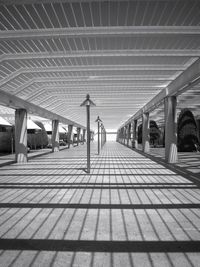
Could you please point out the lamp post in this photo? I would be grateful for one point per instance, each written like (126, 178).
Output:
(101, 135)
(88, 102)
(98, 120)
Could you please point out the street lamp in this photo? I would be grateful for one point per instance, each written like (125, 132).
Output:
(88, 102)
(98, 120)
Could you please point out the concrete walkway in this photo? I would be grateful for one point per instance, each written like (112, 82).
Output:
(10, 158)
(130, 211)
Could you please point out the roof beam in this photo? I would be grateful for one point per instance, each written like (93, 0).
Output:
(89, 86)
(113, 78)
(98, 31)
(103, 68)
(14, 102)
(105, 53)
(92, 68)
(182, 83)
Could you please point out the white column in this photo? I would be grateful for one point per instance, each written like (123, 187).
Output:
(78, 135)
(135, 141)
(69, 135)
(170, 129)
(125, 128)
(21, 136)
(84, 131)
(128, 133)
(145, 132)
(55, 136)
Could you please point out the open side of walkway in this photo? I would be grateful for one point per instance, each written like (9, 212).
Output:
(130, 211)
(188, 162)
(10, 158)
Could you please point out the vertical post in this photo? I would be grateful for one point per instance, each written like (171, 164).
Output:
(55, 136)
(88, 138)
(135, 141)
(101, 135)
(125, 135)
(69, 135)
(117, 137)
(121, 135)
(12, 141)
(98, 122)
(88, 102)
(21, 136)
(84, 131)
(145, 132)
(128, 133)
(170, 129)
(78, 135)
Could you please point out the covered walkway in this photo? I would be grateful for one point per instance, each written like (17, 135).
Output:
(129, 211)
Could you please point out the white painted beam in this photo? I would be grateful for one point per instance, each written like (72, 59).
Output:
(105, 53)
(18, 103)
(90, 86)
(98, 31)
(103, 78)
(113, 68)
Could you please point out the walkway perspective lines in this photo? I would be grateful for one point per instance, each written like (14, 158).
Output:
(129, 211)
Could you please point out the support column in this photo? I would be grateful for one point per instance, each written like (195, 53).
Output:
(101, 136)
(91, 136)
(55, 136)
(135, 140)
(78, 135)
(69, 135)
(122, 135)
(125, 128)
(21, 136)
(128, 134)
(145, 132)
(170, 129)
(119, 136)
(84, 131)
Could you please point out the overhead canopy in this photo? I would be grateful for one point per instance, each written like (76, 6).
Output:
(123, 53)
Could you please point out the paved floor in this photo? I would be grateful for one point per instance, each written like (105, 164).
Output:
(187, 161)
(130, 211)
(10, 158)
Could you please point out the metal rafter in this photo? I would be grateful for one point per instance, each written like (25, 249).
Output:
(104, 53)
(99, 31)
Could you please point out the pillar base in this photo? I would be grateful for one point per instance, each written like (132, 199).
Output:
(172, 157)
(21, 158)
(56, 149)
(146, 147)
